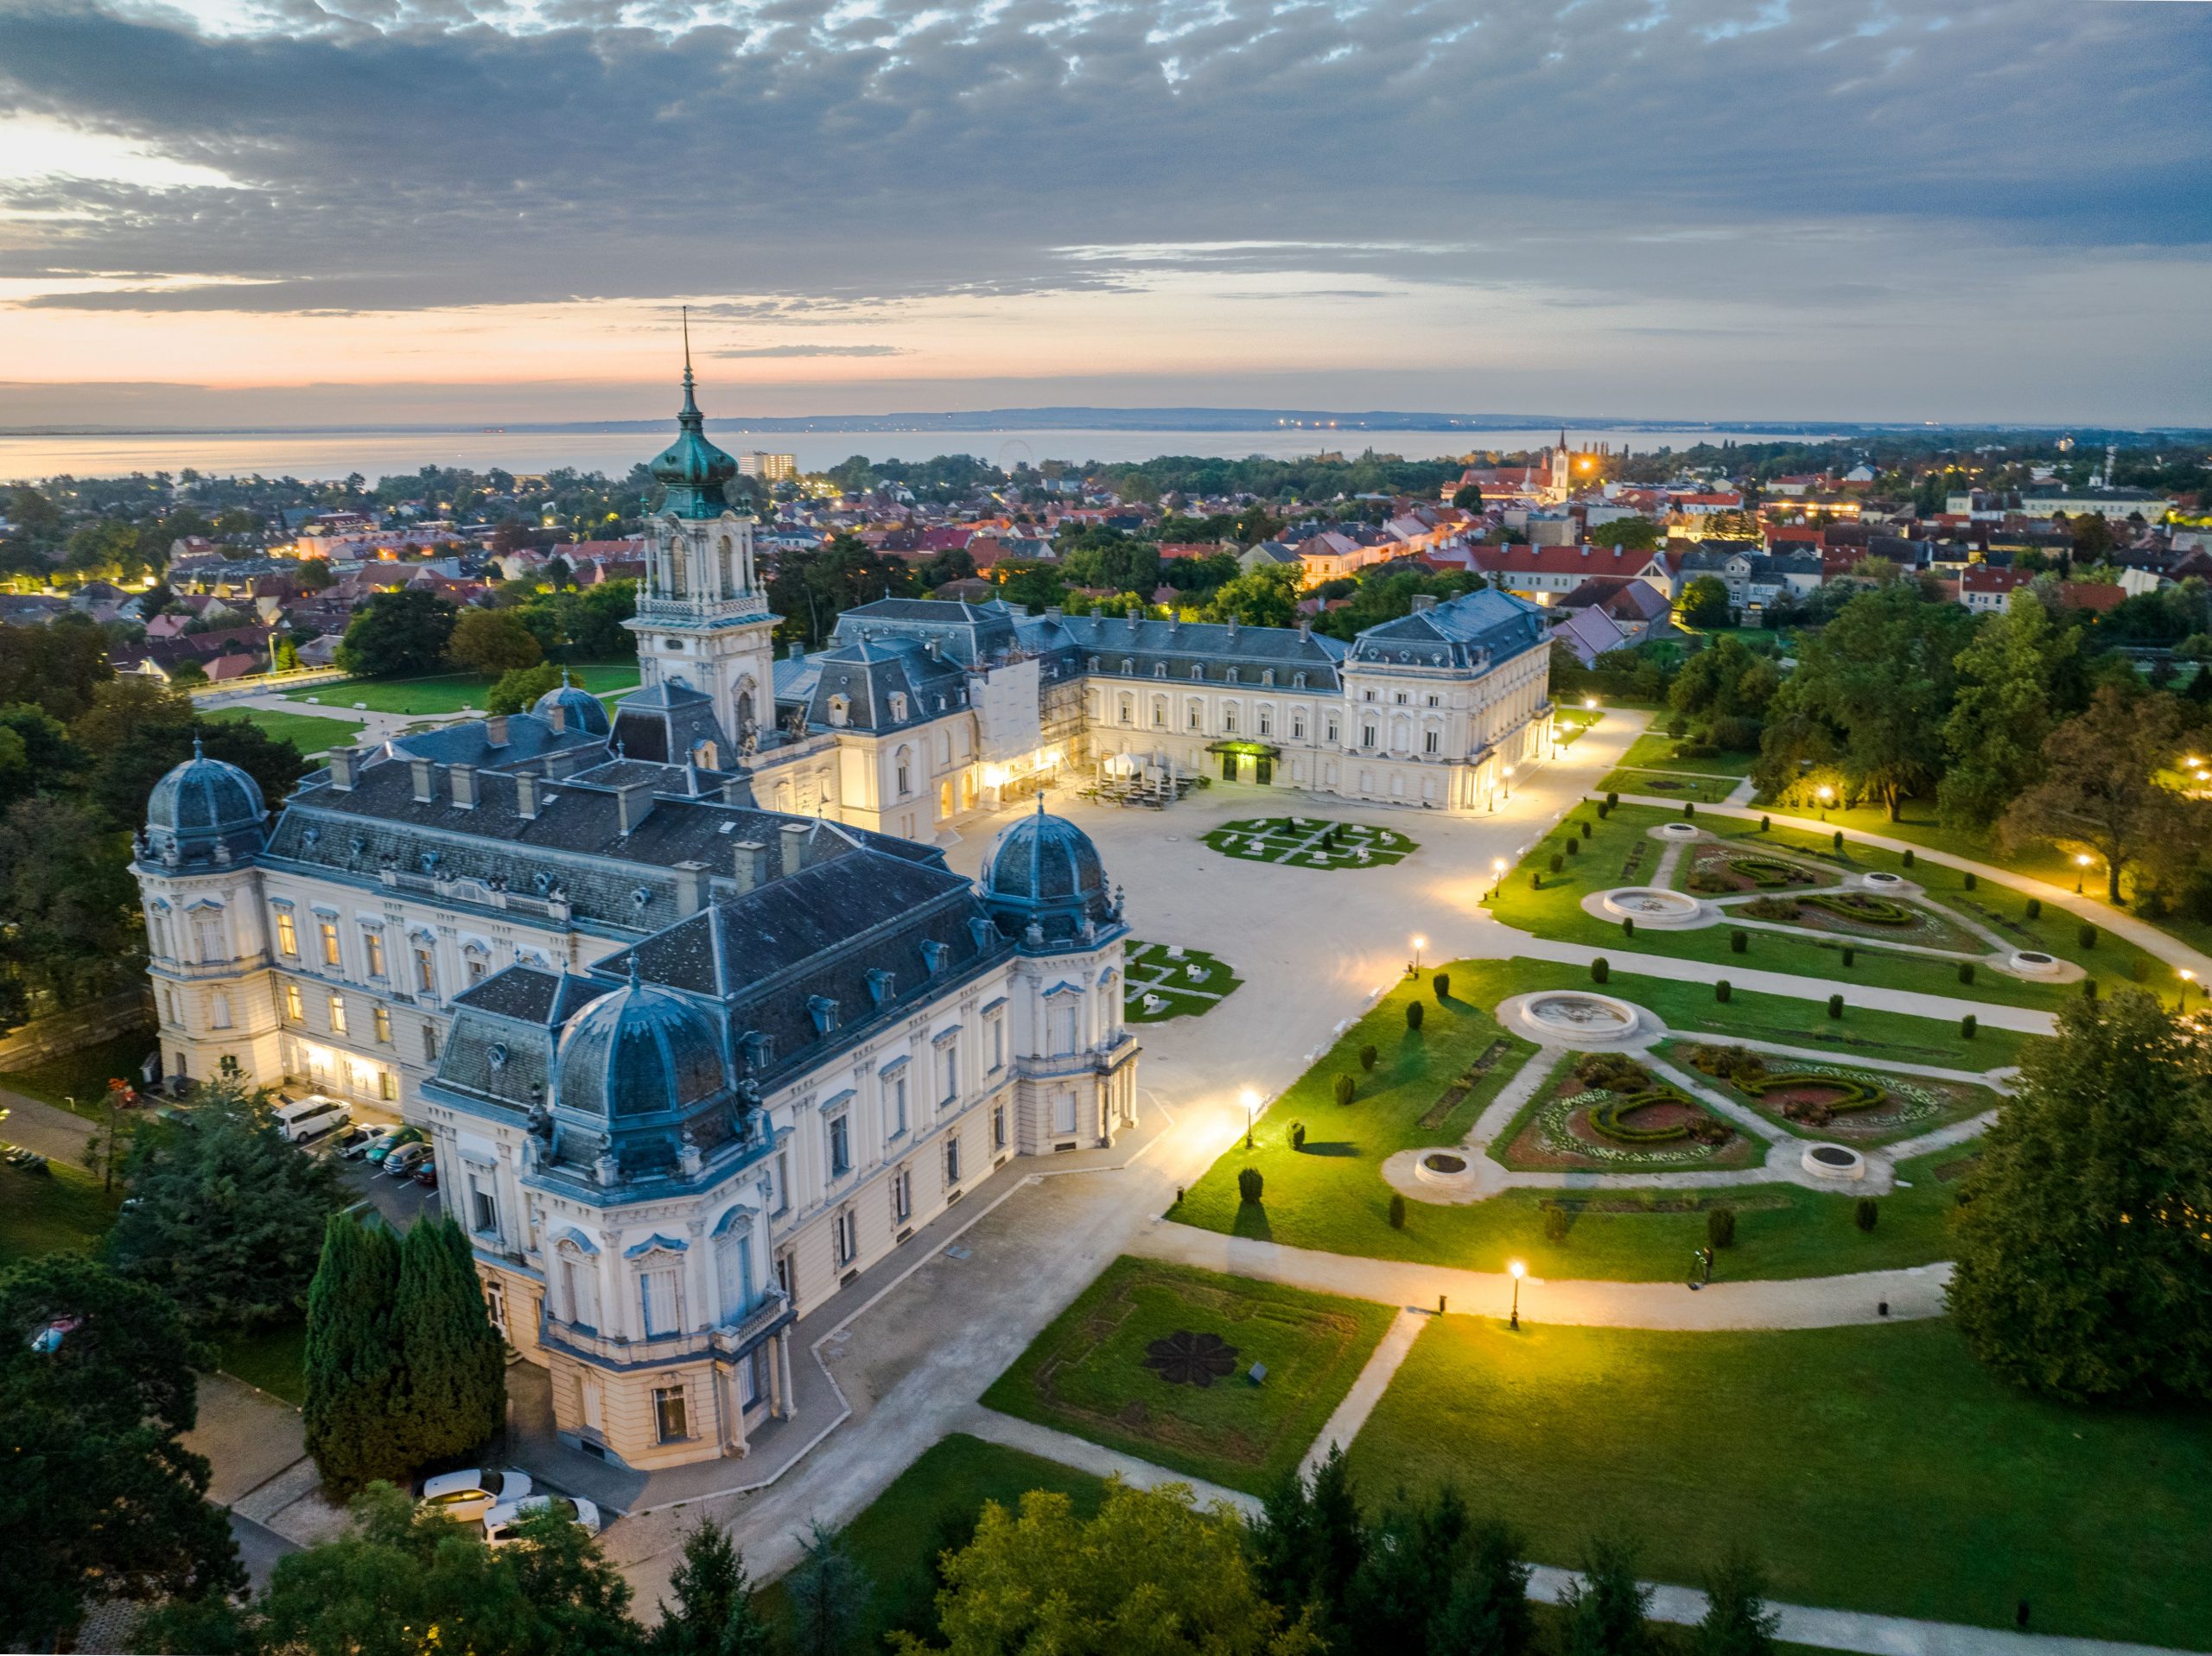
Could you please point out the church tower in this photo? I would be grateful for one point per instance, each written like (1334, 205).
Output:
(702, 621)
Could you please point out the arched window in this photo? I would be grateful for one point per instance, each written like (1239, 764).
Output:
(905, 772)
(1128, 710)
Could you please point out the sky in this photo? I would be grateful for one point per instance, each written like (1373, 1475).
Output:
(399, 210)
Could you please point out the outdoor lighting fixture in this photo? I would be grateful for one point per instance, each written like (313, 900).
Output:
(1589, 704)
(1827, 794)
(1420, 943)
(2081, 864)
(1497, 875)
(1250, 1099)
(1519, 1271)
(2187, 977)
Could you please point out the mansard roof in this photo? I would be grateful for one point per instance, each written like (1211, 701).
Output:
(868, 672)
(1467, 632)
(972, 634)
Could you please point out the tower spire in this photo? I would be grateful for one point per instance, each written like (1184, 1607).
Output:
(691, 405)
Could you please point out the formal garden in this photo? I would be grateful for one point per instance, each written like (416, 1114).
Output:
(1164, 980)
(1827, 1101)
(1311, 842)
(1605, 1112)
(1226, 1379)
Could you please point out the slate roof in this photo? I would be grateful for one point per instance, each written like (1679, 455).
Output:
(971, 634)
(868, 672)
(1467, 632)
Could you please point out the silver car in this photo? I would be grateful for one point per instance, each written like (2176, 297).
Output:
(466, 1496)
(499, 1523)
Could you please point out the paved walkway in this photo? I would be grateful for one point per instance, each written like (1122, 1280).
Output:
(1375, 1378)
(48, 1128)
(1797, 1302)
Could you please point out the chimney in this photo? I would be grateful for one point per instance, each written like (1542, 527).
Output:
(634, 802)
(342, 763)
(794, 841)
(936, 654)
(691, 887)
(526, 796)
(495, 730)
(558, 765)
(1304, 628)
(426, 781)
(737, 791)
(749, 866)
(1423, 601)
(558, 718)
(1052, 612)
(464, 785)
(1232, 626)
(797, 651)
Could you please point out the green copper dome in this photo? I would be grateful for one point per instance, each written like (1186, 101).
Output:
(693, 470)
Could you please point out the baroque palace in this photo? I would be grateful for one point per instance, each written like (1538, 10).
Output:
(697, 1017)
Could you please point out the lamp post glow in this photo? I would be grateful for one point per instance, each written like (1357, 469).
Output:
(1508, 782)
(1250, 1099)
(1826, 794)
(2081, 870)
(2187, 977)
(1589, 704)
(1497, 875)
(1519, 1271)
(1420, 943)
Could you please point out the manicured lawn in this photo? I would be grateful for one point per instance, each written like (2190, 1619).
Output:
(1619, 851)
(83, 1075)
(452, 692)
(930, 1508)
(1304, 843)
(1331, 1196)
(1873, 1468)
(1148, 969)
(1654, 751)
(311, 732)
(274, 1359)
(61, 1207)
(1086, 1374)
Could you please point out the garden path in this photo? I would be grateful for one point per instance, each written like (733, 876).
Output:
(1512, 1097)
(1944, 1137)
(48, 1129)
(1383, 1365)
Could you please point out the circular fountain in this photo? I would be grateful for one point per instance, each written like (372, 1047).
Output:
(2034, 963)
(1833, 1162)
(1651, 906)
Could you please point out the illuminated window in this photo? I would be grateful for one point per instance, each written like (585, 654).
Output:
(329, 930)
(669, 1415)
(381, 1017)
(426, 971)
(337, 1014)
(287, 934)
(372, 944)
(293, 1012)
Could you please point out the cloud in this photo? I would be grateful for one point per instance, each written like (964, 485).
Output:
(810, 350)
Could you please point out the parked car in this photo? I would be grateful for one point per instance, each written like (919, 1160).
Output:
(393, 1141)
(400, 1161)
(466, 1497)
(311, 1118)
(426, 1172)
(363, 1142)
(499, 1523)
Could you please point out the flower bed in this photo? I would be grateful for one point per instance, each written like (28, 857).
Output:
(1768, 873)
(1863, 909)
(1823, 1093)
(1554, 1132)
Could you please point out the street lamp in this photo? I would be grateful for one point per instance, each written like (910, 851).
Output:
(2187, 977)
(1508, 782)
(1589, 704)
(2081, 870)
(1827, 794)
(1250, 1099)
(1497, 875)
(1420, 943)
(1519, 1271)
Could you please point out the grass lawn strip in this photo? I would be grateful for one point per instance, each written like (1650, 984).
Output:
(1300, 842)
(1149, 969)
(83, 1075)
(61, 1207)
(1619, 851)
(1330, 1195)
(311, 732)
(1876, 1468)
(274, 1359)
(453, 692)
(1085, 1374)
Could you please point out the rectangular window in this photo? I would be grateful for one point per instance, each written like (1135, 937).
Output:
(1432, 742)
(287, 934)
(951, 1161)
(1367, 736)
(996, 1026)
(894, 1104)
(949, 1064)
(668, 1415)
(294, 1013)
(372, 946)
(782, 1181)
(1332, 730)
(1228, 720)
(902, 1195)
(581, 1288)
(998, 1126)
(381, 1017)
(387, 1086)
(426, 971)
(841, 1147)
(329, 930)
(1266, 722)
(430, 1042)
(656, 1299)
(337, 1014)
(1194, 715)
(848, 1237)
(483, 1207)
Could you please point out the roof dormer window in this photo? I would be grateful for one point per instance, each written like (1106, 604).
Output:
(899, 705)
(822, 1009)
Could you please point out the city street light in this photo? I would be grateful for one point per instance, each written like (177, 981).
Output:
(2187, 977)
(1827, 794)
(2081, 870)
(1250, 1099)
(1519, 1271)
(1589, 704)
(1497, 875)
(1508, 782)
(1420, 943)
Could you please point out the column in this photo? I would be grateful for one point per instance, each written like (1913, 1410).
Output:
(784, 1357)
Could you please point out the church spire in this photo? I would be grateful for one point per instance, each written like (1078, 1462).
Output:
(691, 416)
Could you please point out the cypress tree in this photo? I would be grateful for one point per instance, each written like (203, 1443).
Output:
(455, 1394)
(352, 1358)
(1487, 1613)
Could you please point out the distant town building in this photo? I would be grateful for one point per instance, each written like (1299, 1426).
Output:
(769, 468)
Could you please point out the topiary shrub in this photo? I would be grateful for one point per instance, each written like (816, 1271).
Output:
(1835, 1005)
(1628, 925)
(1971, 881)
(1297, 1135)
(1574, 845)
(1614, 1071)
(1765, 824)
(1600, 970)
(1535, 881)
(1586, 827)
(1397, 1211)
(1415, 1012)
(1968, 1026)
(1558, 864)
(1908, 856)
(1739, 940)
(2087, 935)
(1838, 841)
(1249, 1185)
(1443, 987)
(1850, 955)
(2089, 988)
(1965, 971)
(1720, 1227)
(1865, 1212)
(1722, 990)
(1612, 801)
(1555, 1223)
(2034, 908)
(1347, 1088)
(1367, 1057)
(1689, 807)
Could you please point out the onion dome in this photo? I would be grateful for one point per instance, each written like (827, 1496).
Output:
(204, 811)
(641, 1050)
(580, 709)
(693, 471)
(1045, 871)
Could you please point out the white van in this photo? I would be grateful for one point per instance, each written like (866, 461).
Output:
(311, 1118)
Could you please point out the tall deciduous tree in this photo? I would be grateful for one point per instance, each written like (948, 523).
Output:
(354, 1375)
(491, 642)
(2084, 1266)
(98, 1496)
(2102, 789)
(397, 634)
(453, 1395)
(1149, 1573)
(1995, 734)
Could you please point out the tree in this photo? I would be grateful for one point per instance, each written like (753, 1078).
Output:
(1151, 1572)
(100, 1495)
(137, 730)
(1487, 1613)
(2102, 789)
(2083, 1270)
(226, 1214)
(1267, 597)
(1307, 1544)
(1630, 533)
(490, 642)
(397, 635)
(714, 1615)
(56, 666)
(1605, 1607)
(520, 688)
(1737, 1621)
(828, 1593)
(1705, 603)
(453, 1395)
(70, 928)
(352, 1358)
(1996, 731)
(1410, 1556)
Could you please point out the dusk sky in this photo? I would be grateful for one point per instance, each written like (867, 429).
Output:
(394, 211)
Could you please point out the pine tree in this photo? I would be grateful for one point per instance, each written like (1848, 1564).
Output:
(1406, 1569)
(453, 1395)
(1737, 1621)
(1605, 1609)
(352, 1358)
(1488, 1612)
(714, 1615)
(829, 1592)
